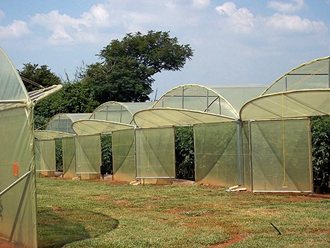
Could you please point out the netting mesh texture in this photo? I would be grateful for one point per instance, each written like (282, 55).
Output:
(280, 153)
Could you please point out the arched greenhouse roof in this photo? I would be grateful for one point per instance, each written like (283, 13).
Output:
(63, 122)
(165, 117)
(87, 127)
(302, 92)
(290, 104)
(50, 135)
(314, 74)
(196, 97)
(225, 101)
(119, 112)
(12, 89)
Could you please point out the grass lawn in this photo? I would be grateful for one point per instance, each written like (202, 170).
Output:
(101, 214)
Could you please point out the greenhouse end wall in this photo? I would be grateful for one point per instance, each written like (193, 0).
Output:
(123, 154)
(217, 154)
(281, 155)
(155, 153)
(88, 156)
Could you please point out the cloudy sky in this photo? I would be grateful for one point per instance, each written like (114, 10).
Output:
(235, 42)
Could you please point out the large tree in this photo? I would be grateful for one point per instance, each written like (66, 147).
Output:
(127, 66)
(34, 75)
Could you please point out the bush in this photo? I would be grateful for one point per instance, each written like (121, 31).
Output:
(321, 153)
(59, 154)
(184, 153)
(106, 147)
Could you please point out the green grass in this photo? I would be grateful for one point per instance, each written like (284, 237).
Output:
(99, 214)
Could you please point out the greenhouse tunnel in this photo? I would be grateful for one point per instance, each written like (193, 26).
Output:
(218, 158)
(116, 120)
(81, 156)
(279, 129)
(17, 163)
(252, 136)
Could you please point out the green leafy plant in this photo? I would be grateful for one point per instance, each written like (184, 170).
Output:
(106, 147)
(184, 153)
(59, 155)
(321, 153)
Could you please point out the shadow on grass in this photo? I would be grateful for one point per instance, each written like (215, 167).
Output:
(57, 226)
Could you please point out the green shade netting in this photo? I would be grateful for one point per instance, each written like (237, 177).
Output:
(119, 112)
(198, 98)
(123, 148)
(311, 75)
(155, 156)
(11, 85)
(174, 117)
(216, 158)
(69, 157)
(88, 127)
(304, 103)
(17, 203)
(88, 154)
(63, 122)
(281, 155)
(45, 155)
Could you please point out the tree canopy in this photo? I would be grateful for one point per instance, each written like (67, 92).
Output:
(41, 75)
(123, 74)
(127, 66)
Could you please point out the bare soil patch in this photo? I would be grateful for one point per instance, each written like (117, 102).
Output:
(235, 238)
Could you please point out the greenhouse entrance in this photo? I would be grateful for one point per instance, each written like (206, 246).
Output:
(184, 153)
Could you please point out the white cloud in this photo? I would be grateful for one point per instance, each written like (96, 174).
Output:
(201, 3)
(2, 14)
(14, 30)
(240, 19)
(286, 7)
(294, 23)
(98, 15)
(67, 29)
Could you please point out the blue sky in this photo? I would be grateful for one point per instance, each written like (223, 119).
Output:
(235, 42)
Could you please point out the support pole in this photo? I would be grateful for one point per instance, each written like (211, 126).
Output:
(250, 154)
(240, 169)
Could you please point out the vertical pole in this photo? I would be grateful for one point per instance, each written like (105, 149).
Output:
(135, 151)
(250, 154)
(174, 158)
(329, 73)
(75, 140)
(182, 103)
(309, 130)
(283, 131)
(121, 113)
(195, 163)
(239, 144)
